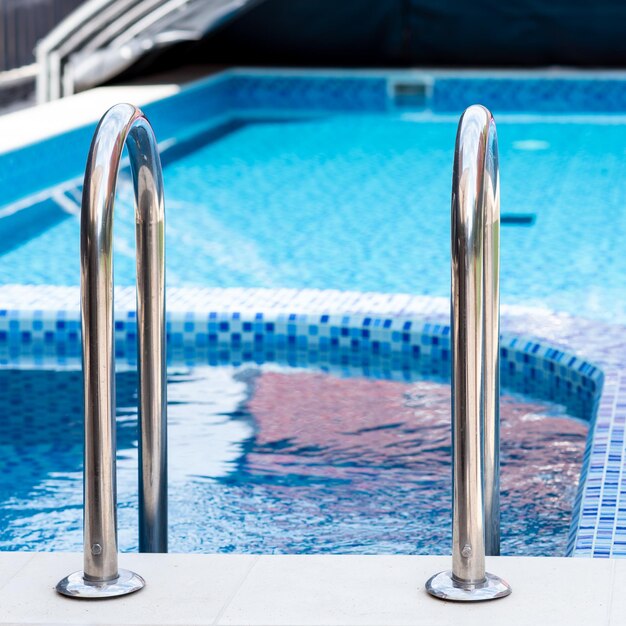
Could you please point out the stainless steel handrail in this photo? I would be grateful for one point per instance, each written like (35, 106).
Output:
(123, 124)
(475, 317)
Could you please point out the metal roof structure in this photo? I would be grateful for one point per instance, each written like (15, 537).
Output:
(102, 38)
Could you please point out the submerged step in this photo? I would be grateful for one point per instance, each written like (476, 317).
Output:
(518, 219)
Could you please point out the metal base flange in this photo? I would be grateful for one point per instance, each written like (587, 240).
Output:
(75, 586)
(445, 587)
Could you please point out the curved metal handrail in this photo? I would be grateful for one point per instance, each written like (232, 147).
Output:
(475, 244)
(122, 125)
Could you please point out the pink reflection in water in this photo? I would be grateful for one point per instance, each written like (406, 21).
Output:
(312, 424)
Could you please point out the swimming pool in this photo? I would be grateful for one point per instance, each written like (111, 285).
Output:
(358, 425)
(327, 182)
(337, 465)
(283, 195)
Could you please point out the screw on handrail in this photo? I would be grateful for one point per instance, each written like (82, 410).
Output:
(122, 125)
(475, 317)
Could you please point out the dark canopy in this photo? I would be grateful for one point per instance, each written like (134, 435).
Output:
(398, 33)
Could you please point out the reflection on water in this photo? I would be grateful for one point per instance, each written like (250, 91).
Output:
(269, 460)
(386, 447)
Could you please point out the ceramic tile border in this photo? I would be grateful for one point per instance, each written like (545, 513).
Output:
(388, 335)
(601, 502)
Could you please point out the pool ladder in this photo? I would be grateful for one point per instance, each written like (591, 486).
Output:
(122, 125)
(475, 356)
(475, 319)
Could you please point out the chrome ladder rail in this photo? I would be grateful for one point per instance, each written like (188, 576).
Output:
(122, 124)
(475, 314)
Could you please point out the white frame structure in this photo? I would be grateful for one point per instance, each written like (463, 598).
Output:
(102, 38)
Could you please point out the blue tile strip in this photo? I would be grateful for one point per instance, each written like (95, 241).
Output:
(601, 503)
(395, 345)
(536, 95)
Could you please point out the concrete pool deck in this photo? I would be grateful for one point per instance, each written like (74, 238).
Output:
(312, 590)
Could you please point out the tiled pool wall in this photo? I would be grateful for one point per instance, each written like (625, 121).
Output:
(235, 326)
(600, 506)
(350, 344)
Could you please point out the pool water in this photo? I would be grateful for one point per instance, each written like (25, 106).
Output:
(362, 202)
(338, 465)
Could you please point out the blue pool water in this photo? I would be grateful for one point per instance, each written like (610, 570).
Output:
(337, 466)
(265, 459)
(361, 202)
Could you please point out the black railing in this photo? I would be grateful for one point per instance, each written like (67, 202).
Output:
(23, 23)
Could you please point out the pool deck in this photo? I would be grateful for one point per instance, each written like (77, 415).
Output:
(312, 590)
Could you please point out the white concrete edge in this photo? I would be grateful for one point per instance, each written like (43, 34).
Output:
(30, 125)
(311, 590)
(470, 72)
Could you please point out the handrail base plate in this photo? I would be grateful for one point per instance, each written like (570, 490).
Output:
(444, 587)
(75, 586)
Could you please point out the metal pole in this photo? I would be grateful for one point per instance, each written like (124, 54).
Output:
(491, 342)
(123, 124)
(475, 363)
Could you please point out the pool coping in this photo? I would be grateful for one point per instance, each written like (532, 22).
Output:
(60, 116)
(40, 325)
(257, 590)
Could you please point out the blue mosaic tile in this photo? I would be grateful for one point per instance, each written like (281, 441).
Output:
(309, 93)
(527, 366)
(539, 95)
